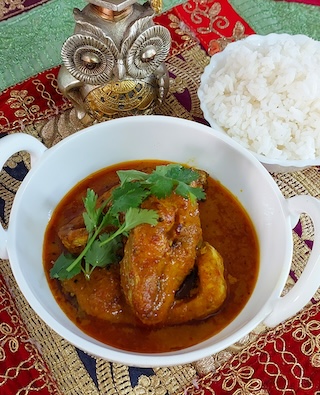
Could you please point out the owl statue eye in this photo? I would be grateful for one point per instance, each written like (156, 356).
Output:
(90, 60)
(148, 53)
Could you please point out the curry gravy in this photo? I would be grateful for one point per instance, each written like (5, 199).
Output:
(226, 226)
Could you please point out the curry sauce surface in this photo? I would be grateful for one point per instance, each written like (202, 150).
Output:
(225, 225)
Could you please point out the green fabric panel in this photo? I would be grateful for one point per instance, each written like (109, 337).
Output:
(168, 4)
(270, 16)
(31, 42)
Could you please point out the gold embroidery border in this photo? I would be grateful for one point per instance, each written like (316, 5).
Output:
(233, 372)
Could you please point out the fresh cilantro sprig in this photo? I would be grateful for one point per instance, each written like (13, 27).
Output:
(100, 249)
(165, 179)
(135, 186)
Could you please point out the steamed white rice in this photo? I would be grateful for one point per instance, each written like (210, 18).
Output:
(267, 96)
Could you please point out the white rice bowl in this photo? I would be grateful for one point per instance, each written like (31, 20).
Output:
(264, 92)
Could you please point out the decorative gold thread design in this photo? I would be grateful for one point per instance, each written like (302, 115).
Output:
(13, 337)
(23, 104)
(273, 370)
(57, 128)
(27, 113)
(7, 6)
(310, 335)
(220, 43)
(239, 379)
(184, 33)
(149, 385)
(243, 378)
(174, 378)
(113, 377)
(156, 5)
(185, 82)
(201, 11)
(210, 21)
(4, 122)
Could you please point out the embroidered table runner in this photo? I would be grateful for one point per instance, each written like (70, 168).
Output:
(33, 359)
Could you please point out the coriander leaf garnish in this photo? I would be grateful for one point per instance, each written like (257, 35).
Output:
(99, 252)
(131, 175)
(129, 194)
(91, 215)
(102, 256)
(134, 217)
(190, 192)
(135, 186)
(178, 173)
(59, 270)
(175, 177)
(160, 185)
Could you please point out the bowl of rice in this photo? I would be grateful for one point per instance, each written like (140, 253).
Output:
(264, 92)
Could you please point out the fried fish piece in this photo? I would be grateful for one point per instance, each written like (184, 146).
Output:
(158, 258)
(102, 296)
(211, 291)
(74, 235)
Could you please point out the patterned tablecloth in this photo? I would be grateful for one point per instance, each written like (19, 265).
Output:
(34, 359)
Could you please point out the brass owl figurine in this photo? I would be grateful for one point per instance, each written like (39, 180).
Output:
(114, 63)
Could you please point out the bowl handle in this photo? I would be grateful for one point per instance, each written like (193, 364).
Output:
(10, 145)
(308, 283)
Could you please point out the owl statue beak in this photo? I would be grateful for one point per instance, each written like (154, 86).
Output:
(119, 70)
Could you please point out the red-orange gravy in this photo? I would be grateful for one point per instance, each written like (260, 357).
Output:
(225, 225)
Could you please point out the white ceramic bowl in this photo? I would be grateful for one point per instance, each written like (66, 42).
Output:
(56, 170)
(257, 43)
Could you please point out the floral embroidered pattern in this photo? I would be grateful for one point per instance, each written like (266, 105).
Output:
(243, 378)
(23, 104)
(214, 25)
(149, 386)
(36, 99)
(310, 336)
(27, 365)
(280, 362)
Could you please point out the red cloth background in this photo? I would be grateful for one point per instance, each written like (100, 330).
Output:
(22, 367)
(285, 361)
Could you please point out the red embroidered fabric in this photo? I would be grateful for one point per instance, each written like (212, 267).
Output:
(32, 100)
(214, 23)
(284, 361)
(22, 367)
